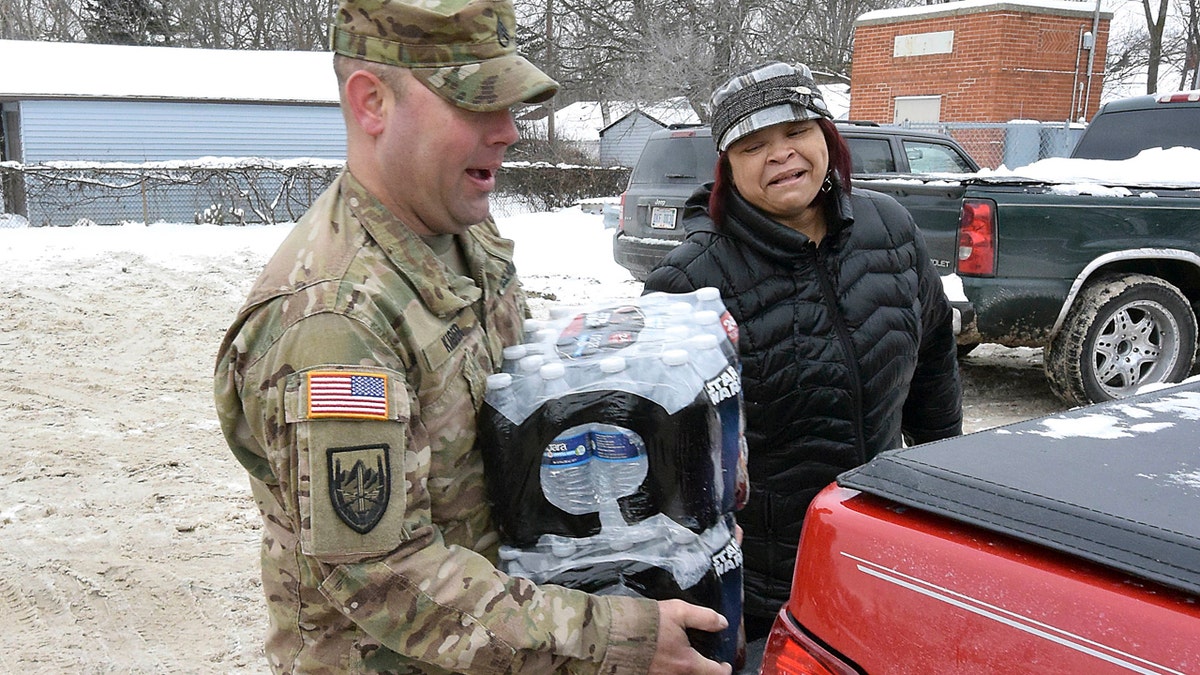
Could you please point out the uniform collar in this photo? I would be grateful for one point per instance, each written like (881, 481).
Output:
(412, 257)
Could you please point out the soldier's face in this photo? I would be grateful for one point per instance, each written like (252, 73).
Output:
(440, 161)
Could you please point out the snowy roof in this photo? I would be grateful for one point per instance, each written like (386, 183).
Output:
(76, 70)
(957, 7)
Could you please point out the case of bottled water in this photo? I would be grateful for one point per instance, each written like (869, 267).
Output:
(612, 440)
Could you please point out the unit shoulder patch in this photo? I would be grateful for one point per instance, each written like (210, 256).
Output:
(359, 485)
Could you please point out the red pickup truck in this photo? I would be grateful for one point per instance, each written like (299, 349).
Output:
(1065, 544)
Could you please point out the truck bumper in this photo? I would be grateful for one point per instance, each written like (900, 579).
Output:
(963, 316)
(1015, 312)
(639, 255)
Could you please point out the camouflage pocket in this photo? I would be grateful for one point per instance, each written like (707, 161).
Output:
(351, 428)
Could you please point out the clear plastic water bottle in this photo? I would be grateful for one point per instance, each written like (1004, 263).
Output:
(499, 390)
(527, 383)
(620, 461)
(619, 464)
(676, 384)
(554, 381)
(709, 299)
(707, 356)
(679, 313)
(566, 475)
(512, 357)
(615, 376)
(529, 364)
(531, 327)
(708, 321)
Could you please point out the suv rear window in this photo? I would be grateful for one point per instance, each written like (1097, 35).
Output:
(684, 159)
(1108, 136)
(870, 155)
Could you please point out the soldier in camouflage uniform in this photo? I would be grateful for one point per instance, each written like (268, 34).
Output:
(349, 383)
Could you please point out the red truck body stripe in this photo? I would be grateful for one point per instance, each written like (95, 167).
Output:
(896, 590)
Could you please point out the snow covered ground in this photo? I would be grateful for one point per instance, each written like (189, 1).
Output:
(563, 256)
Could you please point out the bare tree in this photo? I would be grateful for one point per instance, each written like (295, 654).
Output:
(306, 23)
(1127, 57)
(253, 24)
(645, 51)
(54, 20)
(1136, 53)
(1156, 24)
(215, 24)
(1189, 77)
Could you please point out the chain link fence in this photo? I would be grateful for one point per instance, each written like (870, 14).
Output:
(1011, 144)
(234, 192)
(238, 191)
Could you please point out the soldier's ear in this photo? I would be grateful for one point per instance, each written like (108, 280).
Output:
(368, 100)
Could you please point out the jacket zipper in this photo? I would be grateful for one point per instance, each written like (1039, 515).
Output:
(843, 333)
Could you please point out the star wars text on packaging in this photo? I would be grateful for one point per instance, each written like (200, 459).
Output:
(615, 461)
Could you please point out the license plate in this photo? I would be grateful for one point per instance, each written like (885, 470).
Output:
(662, 218)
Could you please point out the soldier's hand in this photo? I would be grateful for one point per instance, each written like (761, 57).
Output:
(674, 654)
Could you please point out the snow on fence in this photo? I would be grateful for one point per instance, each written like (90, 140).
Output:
(237, 191)
(205, 190)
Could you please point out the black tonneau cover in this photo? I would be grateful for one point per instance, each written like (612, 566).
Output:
(1117, 483)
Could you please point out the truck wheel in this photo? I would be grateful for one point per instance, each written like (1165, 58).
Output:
(1122, 333)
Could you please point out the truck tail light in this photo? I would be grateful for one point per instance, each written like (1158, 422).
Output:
(621, 217)
(977, 238)
(790, 651)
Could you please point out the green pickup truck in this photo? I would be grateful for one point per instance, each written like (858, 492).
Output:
(1102, 270)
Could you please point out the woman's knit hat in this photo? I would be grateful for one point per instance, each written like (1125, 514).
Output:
(765, 95)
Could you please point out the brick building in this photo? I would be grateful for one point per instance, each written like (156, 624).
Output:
(979, 61)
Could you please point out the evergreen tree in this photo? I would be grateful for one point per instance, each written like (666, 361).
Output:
(126, 22)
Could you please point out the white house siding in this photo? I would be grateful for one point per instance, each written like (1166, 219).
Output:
(141, 131)
(151, 131)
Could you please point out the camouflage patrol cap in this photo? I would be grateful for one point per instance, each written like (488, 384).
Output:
(463, 50)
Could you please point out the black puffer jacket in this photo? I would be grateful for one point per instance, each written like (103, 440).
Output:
(845, 347)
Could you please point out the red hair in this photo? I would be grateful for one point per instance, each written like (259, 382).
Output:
(839, 153)
(839, 165)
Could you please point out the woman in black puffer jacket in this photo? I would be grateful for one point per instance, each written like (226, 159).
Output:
(844, 329)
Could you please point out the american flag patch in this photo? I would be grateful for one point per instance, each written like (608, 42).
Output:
(346, 394)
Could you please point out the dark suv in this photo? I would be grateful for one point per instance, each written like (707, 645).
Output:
(676, 161)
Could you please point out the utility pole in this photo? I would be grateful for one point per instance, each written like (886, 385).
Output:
(1087, 100)
(550, 66)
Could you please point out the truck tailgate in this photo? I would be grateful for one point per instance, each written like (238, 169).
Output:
(1066, 544)
(934, 204)
(897, 590)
